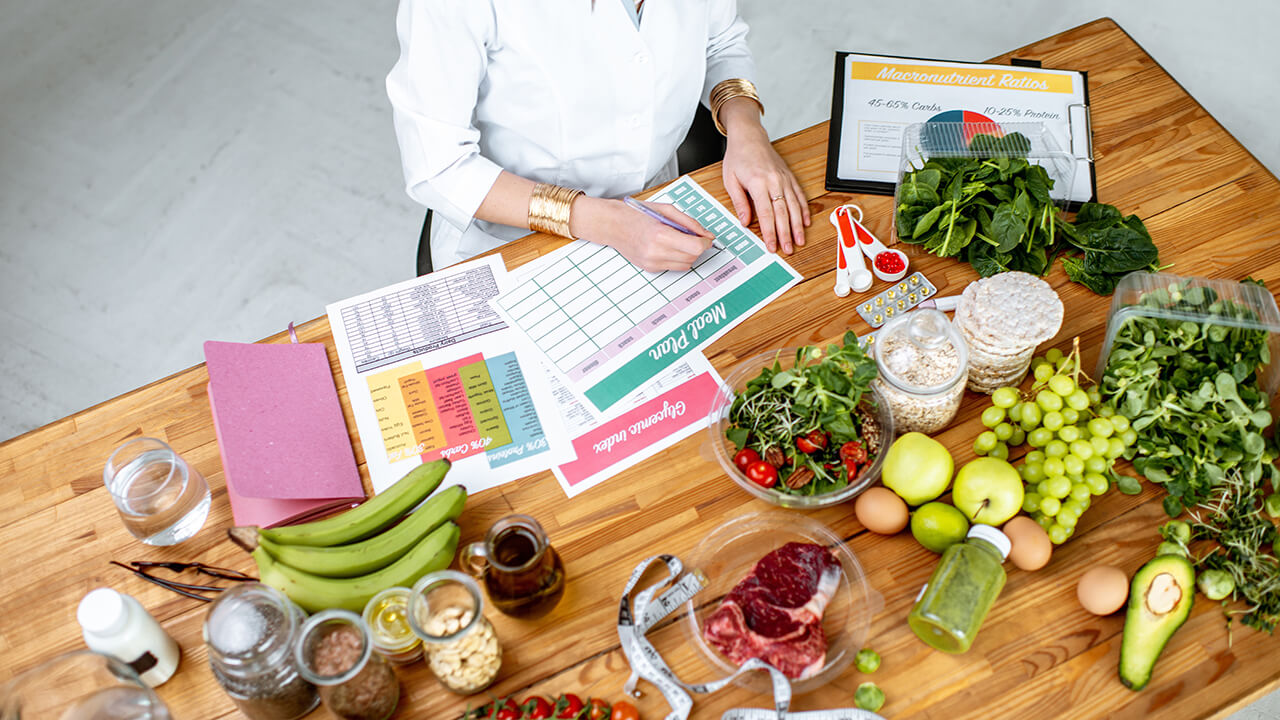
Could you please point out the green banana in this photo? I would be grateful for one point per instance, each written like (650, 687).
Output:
(314, 593)
(370, 516)
(376, 552)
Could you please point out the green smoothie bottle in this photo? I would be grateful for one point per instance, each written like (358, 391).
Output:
(951, 607)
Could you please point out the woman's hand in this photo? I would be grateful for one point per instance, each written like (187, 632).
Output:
(647, 243)
(755, 175)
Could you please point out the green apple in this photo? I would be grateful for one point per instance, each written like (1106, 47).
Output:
(988, 491)
(917, 468)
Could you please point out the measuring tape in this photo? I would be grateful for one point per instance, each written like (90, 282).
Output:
(647, 664)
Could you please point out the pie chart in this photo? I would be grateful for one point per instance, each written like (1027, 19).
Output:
(959, 129)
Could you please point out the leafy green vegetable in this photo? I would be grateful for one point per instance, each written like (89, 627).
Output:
(996, 213)
(1190, 390)
(822, 392)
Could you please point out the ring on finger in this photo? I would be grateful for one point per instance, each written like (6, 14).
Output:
(776, 198)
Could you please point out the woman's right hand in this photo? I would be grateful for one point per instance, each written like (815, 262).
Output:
(647, 243)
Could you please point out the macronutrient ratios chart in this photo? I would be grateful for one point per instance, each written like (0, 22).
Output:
(608, 327)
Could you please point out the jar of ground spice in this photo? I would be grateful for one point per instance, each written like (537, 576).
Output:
(250, 632)
(335, 651)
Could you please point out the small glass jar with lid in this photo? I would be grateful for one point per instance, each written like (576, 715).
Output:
(335, 652)
(387, 615)
(923, 365)
(250, 632)
(462, 649)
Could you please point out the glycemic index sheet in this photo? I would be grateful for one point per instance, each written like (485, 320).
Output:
(608, 328)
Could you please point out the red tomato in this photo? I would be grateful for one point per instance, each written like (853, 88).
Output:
(854, 451)
(806, 446)
(569, 706)
(508, 710)
(762, 474)
(537, 708)
(745, 457)
(598, 709)
(624, 710)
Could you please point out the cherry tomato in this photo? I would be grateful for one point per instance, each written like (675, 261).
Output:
(745, 457)
(854, 451)
(537, 708)
(811, 443)
(598, 709)
(851, 469)
(624, 710)
(509, 711)
(762, 474)
(568, 707)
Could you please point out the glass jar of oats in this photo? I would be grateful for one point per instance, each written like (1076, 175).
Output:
(923, 366)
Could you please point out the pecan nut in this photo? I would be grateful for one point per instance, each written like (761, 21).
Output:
(774, 456)
(798, 479)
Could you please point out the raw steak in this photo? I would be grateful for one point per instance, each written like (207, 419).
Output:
(775, 612)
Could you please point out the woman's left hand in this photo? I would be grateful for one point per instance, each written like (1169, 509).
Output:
(756, 176)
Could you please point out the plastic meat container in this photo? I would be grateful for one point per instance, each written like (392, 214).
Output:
(1147, 295)
(922, 142)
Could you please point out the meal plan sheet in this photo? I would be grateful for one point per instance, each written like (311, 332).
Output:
(608, 328)
(432, 371)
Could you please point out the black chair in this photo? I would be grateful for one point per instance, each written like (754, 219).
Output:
(702, 146)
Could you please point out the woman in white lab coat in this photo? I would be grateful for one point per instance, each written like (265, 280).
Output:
(519, 114)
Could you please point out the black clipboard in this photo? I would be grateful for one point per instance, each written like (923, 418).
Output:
(836, 133)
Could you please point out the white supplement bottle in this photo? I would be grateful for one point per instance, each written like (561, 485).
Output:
(117, 625)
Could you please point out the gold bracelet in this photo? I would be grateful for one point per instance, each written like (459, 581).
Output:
(549, 209)
(727, 90)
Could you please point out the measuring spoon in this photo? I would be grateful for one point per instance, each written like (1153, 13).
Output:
(859, 277)
(873, 248)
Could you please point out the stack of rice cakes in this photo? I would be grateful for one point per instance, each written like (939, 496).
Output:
(1002, 319)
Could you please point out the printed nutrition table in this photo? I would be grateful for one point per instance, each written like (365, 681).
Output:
(435, 314)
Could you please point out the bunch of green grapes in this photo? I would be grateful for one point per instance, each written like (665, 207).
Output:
(1075, 439)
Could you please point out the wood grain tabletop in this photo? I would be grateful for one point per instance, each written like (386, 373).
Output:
(1211, 208)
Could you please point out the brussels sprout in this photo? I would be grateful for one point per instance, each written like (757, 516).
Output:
(1176, 531)
(867, 660)
(1273, 504)
(868, 697)
(1216, 584)
(1170, 548)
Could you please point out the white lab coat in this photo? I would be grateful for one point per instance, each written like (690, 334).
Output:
(557, 91)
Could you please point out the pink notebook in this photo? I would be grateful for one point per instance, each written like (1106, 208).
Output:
(285, 450)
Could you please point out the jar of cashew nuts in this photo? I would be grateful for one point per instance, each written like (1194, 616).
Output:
(446, 610)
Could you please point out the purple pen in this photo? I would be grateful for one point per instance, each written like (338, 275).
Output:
(637, 205)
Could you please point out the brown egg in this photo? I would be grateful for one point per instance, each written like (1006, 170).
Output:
(1103, 590)
(881, 511)
(1031, 547)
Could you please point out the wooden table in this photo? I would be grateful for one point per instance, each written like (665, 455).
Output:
(1159, 154)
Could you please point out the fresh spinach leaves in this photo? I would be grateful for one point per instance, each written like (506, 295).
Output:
(996, 213)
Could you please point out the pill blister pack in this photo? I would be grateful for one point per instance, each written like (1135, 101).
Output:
(901, 296)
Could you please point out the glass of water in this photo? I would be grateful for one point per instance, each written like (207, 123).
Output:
(161, 498)
(81, 685)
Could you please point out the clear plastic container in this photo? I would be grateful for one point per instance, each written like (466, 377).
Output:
(1176, 298)
(924, 141)
(730, 552)
(923, 365)
(446, 610)
(335, 652)
(718, 446)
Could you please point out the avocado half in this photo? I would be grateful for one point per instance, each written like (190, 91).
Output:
(1160, 599)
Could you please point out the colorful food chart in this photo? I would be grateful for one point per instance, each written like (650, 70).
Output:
(444, 377)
